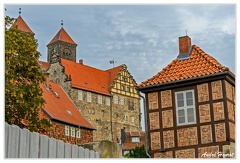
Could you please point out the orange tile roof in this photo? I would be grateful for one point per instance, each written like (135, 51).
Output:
(199, 64)
(87, 78)
(62, 36)
(114, 73)
(44, 65)
(22, 25)
(60, 107)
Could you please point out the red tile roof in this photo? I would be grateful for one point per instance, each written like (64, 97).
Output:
(44, 65)
(60, 107)
(87, 78)
(22, 25)
(62, 36)
(114, 73)
(128, 141)
(199, 64)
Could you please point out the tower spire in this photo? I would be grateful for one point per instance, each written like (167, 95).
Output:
(62, 23)
(19, 11)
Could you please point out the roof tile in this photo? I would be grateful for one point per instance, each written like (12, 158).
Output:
(60, 107)
(198, 64)
(22, 25)
(63, 36)
(90, 78)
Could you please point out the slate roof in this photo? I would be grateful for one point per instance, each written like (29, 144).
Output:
(199, 64)
(63, 36)
(22, 25)
(59, 106)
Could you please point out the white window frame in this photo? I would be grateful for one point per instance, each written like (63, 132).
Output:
(72, 131)
(185, 108)
(108, 101)
(135, 139)
(78, 133)
(66, 130)
(122, 101)
(115, 99)
(80, 95)
(99, 99)
(89, 97)
(132, 119)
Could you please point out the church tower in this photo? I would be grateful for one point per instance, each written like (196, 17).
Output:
(63, 45)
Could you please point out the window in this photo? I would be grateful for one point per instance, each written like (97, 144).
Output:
(185, 107)
(135, 139)
(122, 101)
(126, 117)
(115, 115)
(108, 101)
(125, 79)
(115, 99)
(130, 105)
(80, 95)
(122, 87)
(132, 119)
(100, 99)
(67, 130)
(102, 112)
(89, 97)
(128, 89)
(72, 131)
(78, 133)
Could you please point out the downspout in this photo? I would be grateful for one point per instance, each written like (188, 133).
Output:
(146, 125)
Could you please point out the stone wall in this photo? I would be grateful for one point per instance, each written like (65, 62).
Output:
(106, 149)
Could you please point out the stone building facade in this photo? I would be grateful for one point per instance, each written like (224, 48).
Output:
(191, 107)
(107, 98)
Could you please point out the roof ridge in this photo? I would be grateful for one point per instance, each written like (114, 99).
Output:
(83, 65)
(198, 64)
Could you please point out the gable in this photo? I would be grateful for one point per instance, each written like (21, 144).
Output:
(124, 83)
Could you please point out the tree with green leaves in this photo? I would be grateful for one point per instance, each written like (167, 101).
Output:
(23, 75)
(137, 152)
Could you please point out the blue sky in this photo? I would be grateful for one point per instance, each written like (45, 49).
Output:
(142, 36)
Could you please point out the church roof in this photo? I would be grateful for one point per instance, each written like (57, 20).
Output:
(59, 106)
(63, 36)
(90, 78)
(198, 64)
(22, 25)
(86, 77)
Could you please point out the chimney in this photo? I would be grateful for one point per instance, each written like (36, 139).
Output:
(81, 62)
(184, 47)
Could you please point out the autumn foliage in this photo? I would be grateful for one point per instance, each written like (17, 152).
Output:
(23, 96)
